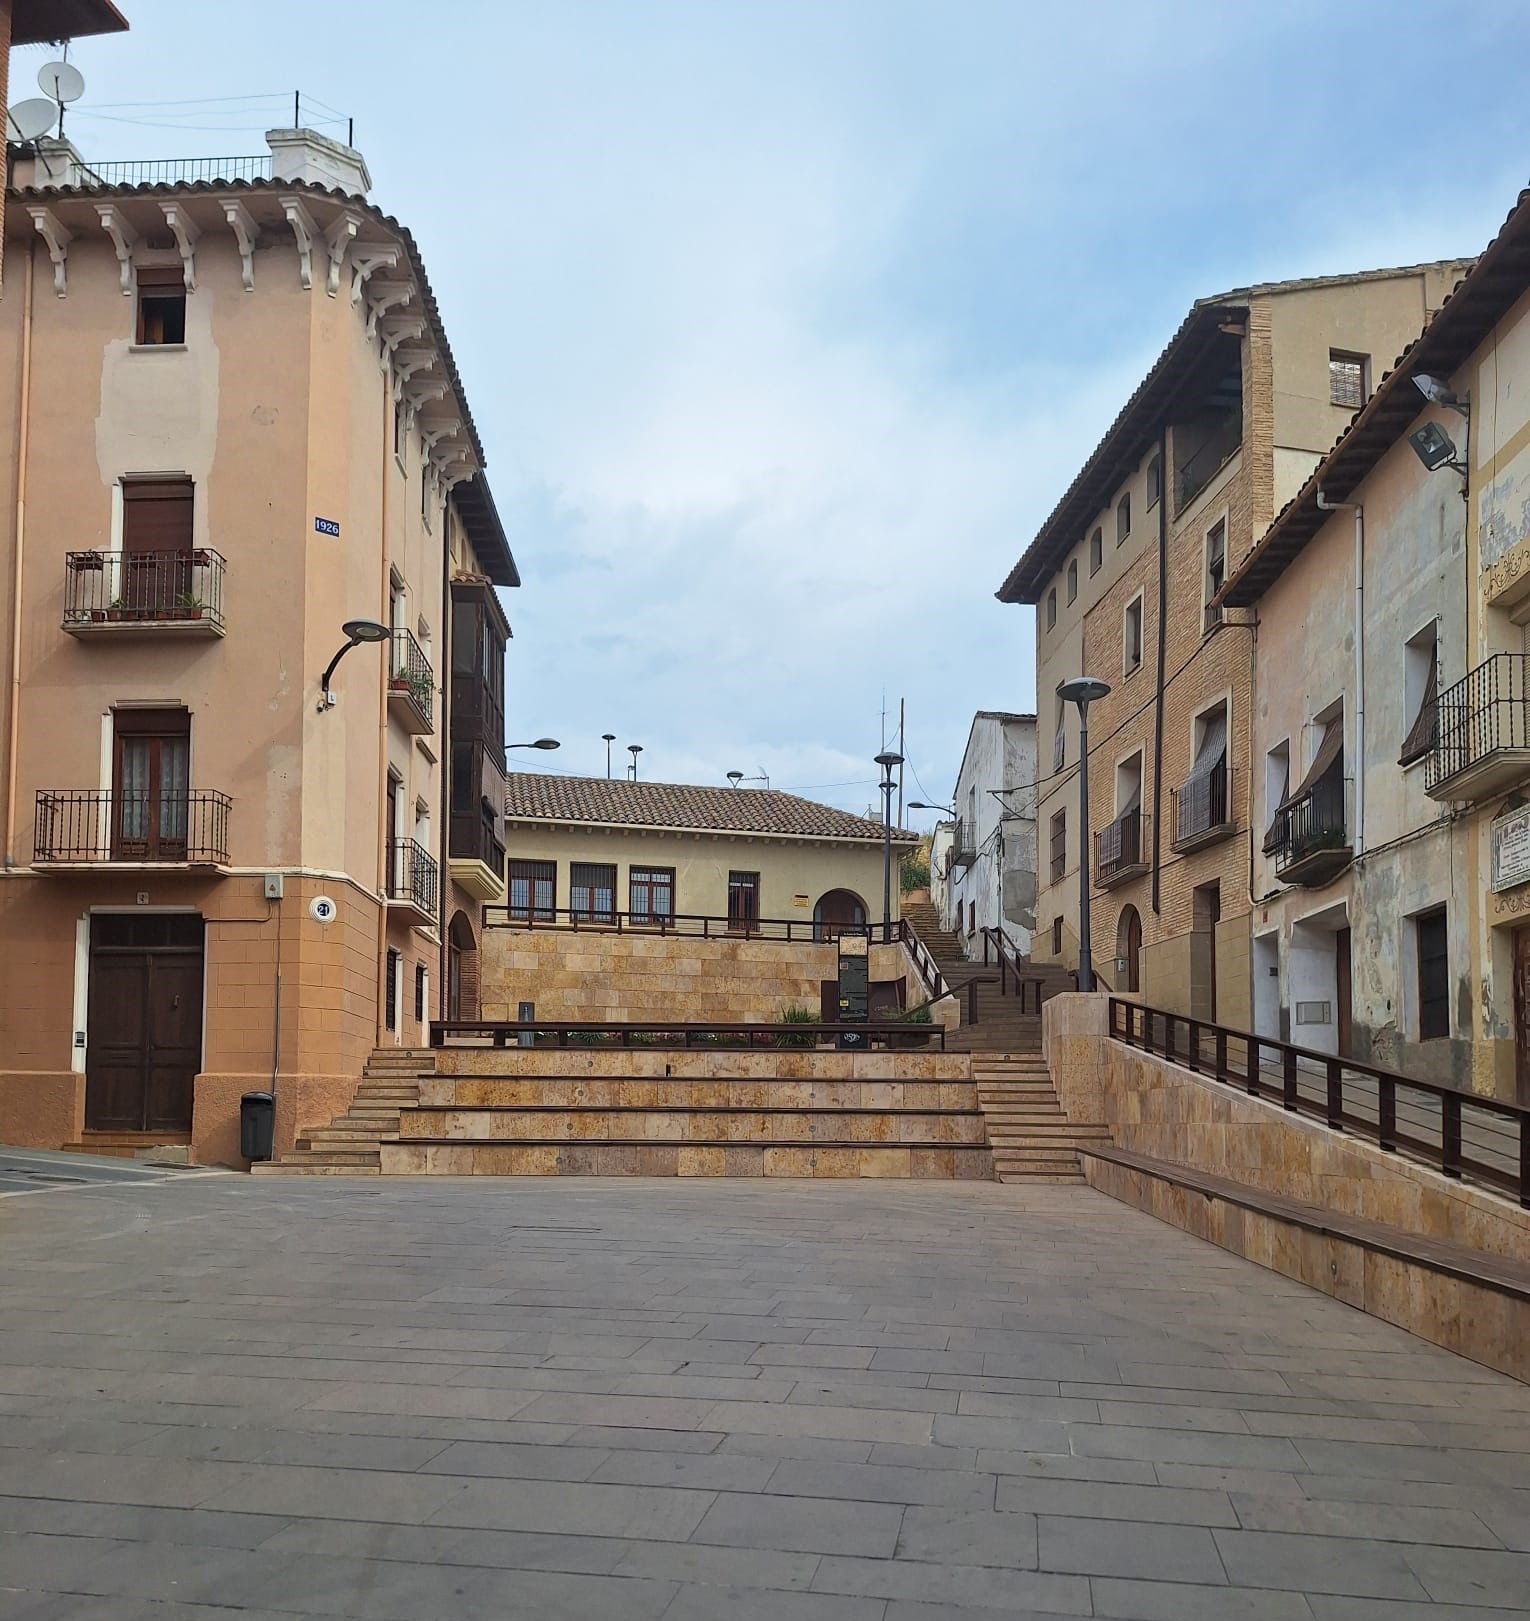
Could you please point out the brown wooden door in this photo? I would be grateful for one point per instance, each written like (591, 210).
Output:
(156, 546)
(150, 784)
(1341, 966)
(1522, 1013)
(1133, 950)
(743, 900)
(144, 1022)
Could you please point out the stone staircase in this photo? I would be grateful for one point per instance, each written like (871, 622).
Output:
(1032, 1139)
(352, 1144)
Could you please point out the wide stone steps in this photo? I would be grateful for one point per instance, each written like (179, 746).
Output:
(350, 1144)
(643, 1157)
(1033, 1139)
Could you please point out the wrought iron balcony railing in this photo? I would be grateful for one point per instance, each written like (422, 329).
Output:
(90, 826)
(963, 850)
(1200, 811)
(1311, 835)
(174, 171)
(411, 684)
(413, 876)
(178, 592)
(1481, 731)
(1119, 848)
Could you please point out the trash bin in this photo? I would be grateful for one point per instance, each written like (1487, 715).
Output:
(257, 1124)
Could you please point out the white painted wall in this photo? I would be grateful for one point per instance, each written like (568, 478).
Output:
(999, 889)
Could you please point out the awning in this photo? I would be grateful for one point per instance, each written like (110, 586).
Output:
(1330, 750)
(1213, 749)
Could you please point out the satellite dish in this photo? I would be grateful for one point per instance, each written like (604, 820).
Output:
(61, 81)
(29, 119)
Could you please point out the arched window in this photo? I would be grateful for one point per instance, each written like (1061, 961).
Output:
(1123, 517)
(1073, 580)
(1052, 608)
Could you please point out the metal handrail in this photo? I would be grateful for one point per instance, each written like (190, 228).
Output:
(681, 1034)
(413, 875)
(705, 925)
(135, 588)
(1317, 821)
(93, 825)
(175, 171)
(1135, 1024)
(1119, 844)
(924, 962)
(1013, 967)
(1200, 806)
(409, 672)
(1486, 710)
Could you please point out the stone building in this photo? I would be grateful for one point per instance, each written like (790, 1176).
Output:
(1125, 575)
(991, 864)
(239, 433)
(1391, 731)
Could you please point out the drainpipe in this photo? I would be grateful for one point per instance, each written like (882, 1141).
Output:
(1325, 505)
(1163, 618)
(24, 413)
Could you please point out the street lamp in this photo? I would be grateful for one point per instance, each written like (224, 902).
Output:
(356, 630)
(634, 749)
(608, 738)
(887, 761)
(1081, 691)
(541, 743)
(919, 804)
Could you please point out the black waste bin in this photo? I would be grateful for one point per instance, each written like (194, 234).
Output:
(257, 1124)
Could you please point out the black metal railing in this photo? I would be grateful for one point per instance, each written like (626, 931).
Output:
(470, 838)
(673, 1033)
(1314, 824)
(1118, 846)
(1198, 469)
(1200, 807)
(1487, 710)
(87, 825)
(410, 674)
(703, 925)
(138, 588)
(963, 848)
(1016, 975)
(175, 171)
(1460, 1134)
(413, 876)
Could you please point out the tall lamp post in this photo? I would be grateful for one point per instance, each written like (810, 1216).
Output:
(887, 761)
(1081, 691)
(634, 749)
(608, 738)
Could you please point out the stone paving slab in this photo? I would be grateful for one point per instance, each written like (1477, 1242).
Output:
(234, 1399)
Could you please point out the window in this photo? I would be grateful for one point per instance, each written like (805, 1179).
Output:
(1347, 379)
(1131, 637)
(1052, 608)
(1057, 937)
(1421, 687)
(161, 305)
(1155, 481)
(592, 891)
(1216, 571)
(1123, 518)
(971, 918)
(1096, 550)
(419, 993)
(651, 894)
(1277, 784)
(1059, 738)
(1073, 580)
(425, 494)
(1059, 846)
(743, 900)
(1433, 975)
(398, 431)
(151, 760)
(390, 994)
(533, 891)
(1201, 800)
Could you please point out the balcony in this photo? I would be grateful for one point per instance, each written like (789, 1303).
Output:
(1200, 811)
(1311, 834)
(963, 851)
(1481, 732)
(414, 881)
(475, 858)
(1120, 849)
(87, 828)
(143, 594)
(411, 685)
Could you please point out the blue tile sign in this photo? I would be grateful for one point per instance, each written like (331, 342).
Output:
(327, 526)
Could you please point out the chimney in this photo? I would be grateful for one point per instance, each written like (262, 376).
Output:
(304, 154)
(49, 161)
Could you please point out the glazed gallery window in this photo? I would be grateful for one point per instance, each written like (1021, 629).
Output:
(592, 891)
(161, 305)
(533, 890)
(651, 894)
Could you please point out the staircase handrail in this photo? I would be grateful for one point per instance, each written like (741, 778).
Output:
(1012, 966)
(924, 960)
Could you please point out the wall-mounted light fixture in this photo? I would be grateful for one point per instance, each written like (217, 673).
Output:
(356, 630)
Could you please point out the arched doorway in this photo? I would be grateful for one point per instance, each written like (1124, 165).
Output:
(836, 910)
(461, 969)
(1129, 948)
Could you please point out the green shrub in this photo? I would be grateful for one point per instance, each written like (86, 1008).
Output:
(796, 1014)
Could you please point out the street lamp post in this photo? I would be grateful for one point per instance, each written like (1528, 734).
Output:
(541, 743)
(634, 749)
(608, 738)
(887, 761)
(1082, 691)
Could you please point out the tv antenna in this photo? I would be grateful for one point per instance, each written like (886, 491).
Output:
(62, 83)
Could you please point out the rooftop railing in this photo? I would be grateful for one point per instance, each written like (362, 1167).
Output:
(175, 171)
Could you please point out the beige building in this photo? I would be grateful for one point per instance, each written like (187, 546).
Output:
(1254, 386)
(238, 429)
(1391, 735)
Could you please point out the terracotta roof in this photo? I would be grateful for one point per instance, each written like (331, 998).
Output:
(615, 802)
(1498, 279)
(484, 527)
(1137, 423)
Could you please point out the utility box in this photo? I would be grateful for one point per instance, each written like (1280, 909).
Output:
(274, 886)
(854, 986)
(257, 1124)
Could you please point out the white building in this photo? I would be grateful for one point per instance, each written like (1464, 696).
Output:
(991, 865)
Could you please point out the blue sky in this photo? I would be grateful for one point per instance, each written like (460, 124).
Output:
(784, 325)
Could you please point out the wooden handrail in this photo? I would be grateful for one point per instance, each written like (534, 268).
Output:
(1013, 966)
(1134, 1024)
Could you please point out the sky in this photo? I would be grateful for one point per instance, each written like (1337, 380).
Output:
(785, 325)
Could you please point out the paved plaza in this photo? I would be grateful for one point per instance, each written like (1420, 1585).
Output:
(226, 1397)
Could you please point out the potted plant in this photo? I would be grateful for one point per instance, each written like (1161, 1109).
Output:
(187, 606)
(87, 562)
(116, 610)
(796, 1014)
(420, 689)
(923, 1021)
